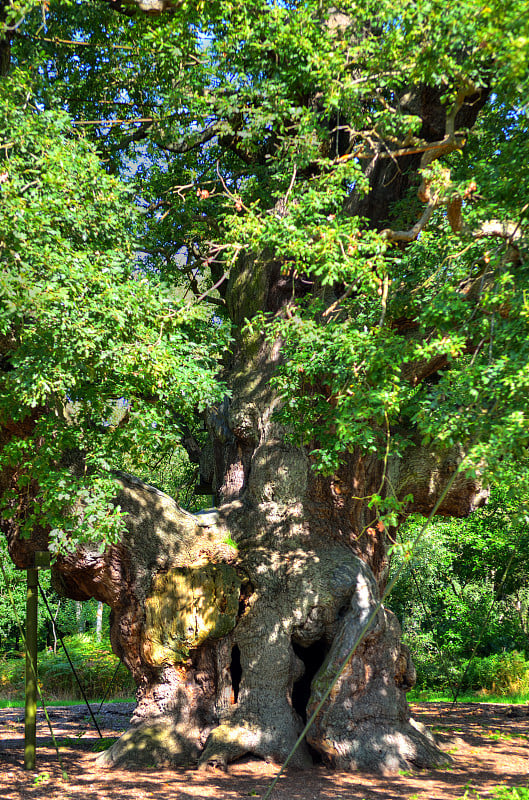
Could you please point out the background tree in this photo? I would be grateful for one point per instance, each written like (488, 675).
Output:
(335, 191)
(464, 593)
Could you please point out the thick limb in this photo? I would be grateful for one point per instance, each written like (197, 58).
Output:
(365, 722)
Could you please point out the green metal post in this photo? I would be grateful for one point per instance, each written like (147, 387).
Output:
(30, 729)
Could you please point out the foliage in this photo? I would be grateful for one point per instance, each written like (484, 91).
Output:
(12, 601)
(465, 590)
(94, 663)
(69, 616)
(479, 696)
(502, 793)
(516, 793)
(343, 373)
(167, 468)
(501, 673)
(251, 129)
(91, 336)
(145, 161)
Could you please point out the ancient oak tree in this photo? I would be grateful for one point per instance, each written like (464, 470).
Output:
(290, 238)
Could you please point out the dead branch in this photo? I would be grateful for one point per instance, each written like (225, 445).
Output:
(510, 231)
(412, 233)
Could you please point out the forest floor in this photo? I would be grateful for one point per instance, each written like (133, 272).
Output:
(489, 745)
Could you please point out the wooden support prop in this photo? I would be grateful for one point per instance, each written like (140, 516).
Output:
(41, 560)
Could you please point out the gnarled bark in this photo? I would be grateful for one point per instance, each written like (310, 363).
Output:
(232, 646)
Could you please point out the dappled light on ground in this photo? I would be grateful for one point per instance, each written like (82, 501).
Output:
(488, 743)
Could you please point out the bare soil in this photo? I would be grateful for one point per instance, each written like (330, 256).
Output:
(489, 745)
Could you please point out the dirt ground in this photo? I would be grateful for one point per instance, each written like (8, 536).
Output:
(489, 745)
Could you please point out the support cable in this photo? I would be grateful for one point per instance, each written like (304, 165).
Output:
(61, 639)
(108, 687)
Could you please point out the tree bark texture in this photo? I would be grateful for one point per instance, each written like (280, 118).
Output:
(234, 622)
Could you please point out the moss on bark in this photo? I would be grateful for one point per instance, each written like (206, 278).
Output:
(187, 606)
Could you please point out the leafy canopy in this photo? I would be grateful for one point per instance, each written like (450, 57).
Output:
(92, 337)
(143, 155)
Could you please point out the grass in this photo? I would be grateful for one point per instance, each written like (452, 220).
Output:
(499, 735)
(427, 696)
(15, 703)
(499, 793)
(101, 745)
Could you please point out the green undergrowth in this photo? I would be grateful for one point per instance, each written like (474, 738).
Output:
(500, 673)
(94, 662)
(499, 793)
(430, 696)
(94, 701)
(498, 678)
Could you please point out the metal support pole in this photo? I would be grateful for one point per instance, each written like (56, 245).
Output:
(30, 718)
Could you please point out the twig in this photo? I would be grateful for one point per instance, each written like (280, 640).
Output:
(476, 351)
(294, 173)
(28, 186)
(212, 289)
(344, 296)
(230, 194)
(110, 122)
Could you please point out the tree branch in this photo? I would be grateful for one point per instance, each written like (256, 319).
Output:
(412, 233)
(141, 133)
(496, 228)
(185, 145)
(111, 122)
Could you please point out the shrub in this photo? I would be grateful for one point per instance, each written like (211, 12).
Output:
(12, 673)
(94, 663)
(502, 673)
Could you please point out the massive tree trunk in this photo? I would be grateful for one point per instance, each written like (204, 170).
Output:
(233, 622)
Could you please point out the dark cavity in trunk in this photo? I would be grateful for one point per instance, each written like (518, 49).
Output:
(235, 672)
(313, 657)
